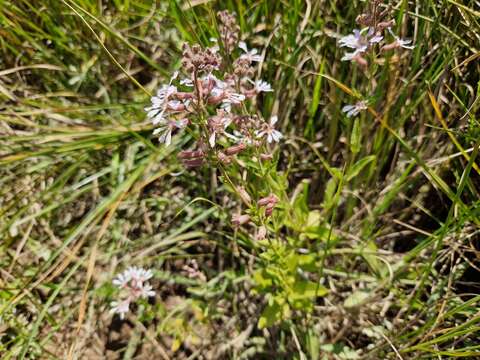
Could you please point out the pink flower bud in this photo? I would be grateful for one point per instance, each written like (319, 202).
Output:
(270, 199)
(183, 95)
(265, 157)
(391, 46)
(193, 163)
(190, 154)
(244, 195)
(224, 159)
(360, 60)
(269, 209)
(385, 24)
(235, 149)
(238, 220)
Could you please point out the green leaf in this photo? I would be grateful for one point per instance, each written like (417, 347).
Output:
(273, 313)
(262, 279)
(329, 193)
(356, 137)
(358, 166)
(356, 299)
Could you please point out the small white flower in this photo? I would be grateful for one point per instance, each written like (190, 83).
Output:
(146, 291)
(186, 82)
(215, 48)
(401, 42)
(262, 86)
(120, 307)
(122, 279)
(269, 131)
(359, 42)
(166, 128)
(139, 274)
(217, 125)
(237, 137)
(133, 285)
(350, 56)
(231, 98)
(234, 98)
(354, 110)
(250, 55)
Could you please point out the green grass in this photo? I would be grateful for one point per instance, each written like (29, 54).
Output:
(387, 206)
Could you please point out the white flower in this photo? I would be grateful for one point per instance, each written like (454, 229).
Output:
(354, 41)
(215, 48)
(237, 137)
(139, 274)
(234, 98)
(159, 102)
(217, 125)
(353, 110)
(186, 82)
(350, 56)
(231, 98)
(166, 128)
(359, 42)
(269, 131)
(120, 307)
(133, 285)
(122, 279)
(262, 86)
(252, 55)
(400, 42)
(146, 291)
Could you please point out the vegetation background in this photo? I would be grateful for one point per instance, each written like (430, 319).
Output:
(388, 206)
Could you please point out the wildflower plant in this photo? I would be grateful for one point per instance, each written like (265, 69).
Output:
(367, 46)
(210, 98)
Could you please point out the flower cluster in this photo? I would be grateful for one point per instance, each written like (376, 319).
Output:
(376, 29)
(133, 285)
(210, 100)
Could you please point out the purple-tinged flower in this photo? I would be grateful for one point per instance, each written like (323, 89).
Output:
(359, 42)
(159, 102)
(373, 38)
(250, 55)
(354, 41)
(269, 131)
(354, 110)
